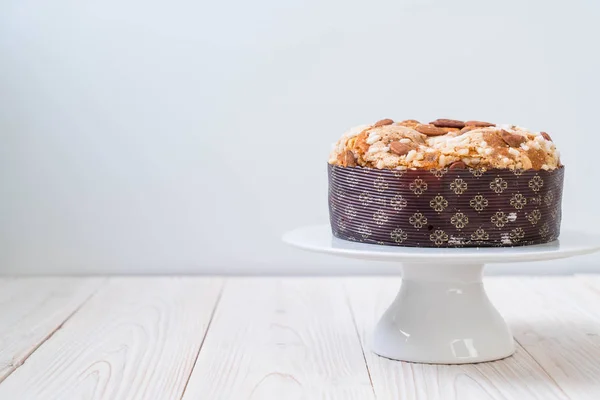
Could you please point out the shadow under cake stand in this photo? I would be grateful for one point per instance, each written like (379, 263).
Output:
(442, 314)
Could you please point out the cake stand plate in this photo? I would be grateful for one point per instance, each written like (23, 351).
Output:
(442, 314)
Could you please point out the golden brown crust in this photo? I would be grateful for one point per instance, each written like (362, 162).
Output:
(410, 144)
(451, 130)
(493, 139)
(411, 123)
(537, 158)
(361, 142)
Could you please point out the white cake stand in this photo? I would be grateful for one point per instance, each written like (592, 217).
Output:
(442, 314)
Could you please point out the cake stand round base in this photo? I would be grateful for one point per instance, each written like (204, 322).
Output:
(442, 314)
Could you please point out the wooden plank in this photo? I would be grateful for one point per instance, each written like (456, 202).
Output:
(517, 377)
(557, 320)
(281, 339)
(591, 281)
(137, 338)
(32, 309)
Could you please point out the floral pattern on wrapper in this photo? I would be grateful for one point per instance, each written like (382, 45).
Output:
(445, 208)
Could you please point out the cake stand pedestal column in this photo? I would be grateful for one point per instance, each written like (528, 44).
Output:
(442, 315)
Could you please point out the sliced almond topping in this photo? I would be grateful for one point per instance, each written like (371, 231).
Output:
(400, 148)
(546, 136)
(430, 130)
(448, 123)
(468, 128)
(512, 139)
(479, 124)
(458, 165)
(383, 122)
(409, 123)
(348, 159)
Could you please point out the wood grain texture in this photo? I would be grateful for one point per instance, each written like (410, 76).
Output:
(281, 339)
(137, 338)
(31, 309)
(517, 377)
(557, 320)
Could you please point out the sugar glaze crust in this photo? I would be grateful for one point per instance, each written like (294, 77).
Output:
(444, 143)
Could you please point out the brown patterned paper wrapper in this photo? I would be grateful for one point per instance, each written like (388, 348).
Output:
(445, 208)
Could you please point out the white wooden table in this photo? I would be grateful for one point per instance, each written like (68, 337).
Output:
(276, 338)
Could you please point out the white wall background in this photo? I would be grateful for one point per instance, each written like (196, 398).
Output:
(186, 136)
